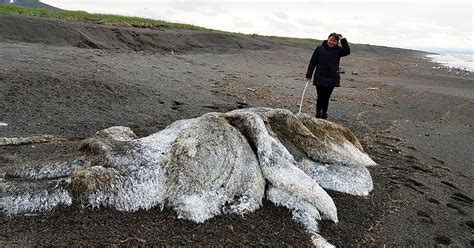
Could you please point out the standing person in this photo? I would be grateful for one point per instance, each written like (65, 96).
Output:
(326, 59)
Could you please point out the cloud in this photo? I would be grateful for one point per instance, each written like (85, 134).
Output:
(310, 22)
(280, 26)
(197, 8)
(242, 24)
(280, 14)
(306, 21)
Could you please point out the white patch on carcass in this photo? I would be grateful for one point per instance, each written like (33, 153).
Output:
(279, 167)
(346, 154)
(303, 212)
(217, 173)
(200, 206)
(35, 201)
(211, 176)
(119, 133)
(48, 170)
(355, 180)
(142, 182)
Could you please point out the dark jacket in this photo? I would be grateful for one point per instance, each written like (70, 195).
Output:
(326, 61)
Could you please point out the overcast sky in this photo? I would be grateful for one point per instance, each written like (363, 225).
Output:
(417, 24)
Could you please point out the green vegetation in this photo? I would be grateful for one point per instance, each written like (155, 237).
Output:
(126, 21)
(97, 18)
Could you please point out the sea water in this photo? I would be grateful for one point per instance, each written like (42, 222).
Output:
(455, 60)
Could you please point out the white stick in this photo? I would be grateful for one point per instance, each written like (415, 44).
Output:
(302, 96)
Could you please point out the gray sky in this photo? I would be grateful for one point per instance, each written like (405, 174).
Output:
(417, 24)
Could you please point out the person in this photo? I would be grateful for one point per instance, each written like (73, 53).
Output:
(326, 59)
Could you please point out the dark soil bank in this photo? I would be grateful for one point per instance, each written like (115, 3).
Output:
(72, 79)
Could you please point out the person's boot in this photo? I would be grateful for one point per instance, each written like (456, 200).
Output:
(319, 115)
(324, 115)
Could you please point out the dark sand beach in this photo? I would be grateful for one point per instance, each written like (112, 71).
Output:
(70, 80)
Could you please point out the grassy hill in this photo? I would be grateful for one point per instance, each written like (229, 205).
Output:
(107, 19)
(96, 18)
(31, 4)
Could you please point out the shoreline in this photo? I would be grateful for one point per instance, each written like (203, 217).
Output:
(454, 63)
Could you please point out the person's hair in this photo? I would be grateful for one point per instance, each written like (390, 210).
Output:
(335, 35)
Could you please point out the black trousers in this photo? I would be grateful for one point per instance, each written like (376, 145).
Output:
(324, 93)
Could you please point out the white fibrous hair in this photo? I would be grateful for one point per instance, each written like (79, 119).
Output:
(202, 167)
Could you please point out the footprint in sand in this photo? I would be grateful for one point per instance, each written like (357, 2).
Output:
(462, 198)
(416, 167)
(442, 240)
(453, 206)
(211, 106)
(438, 160)
(424, 217)
(470, 224)
(409, 182)
(434, 201)
(242, 105)
(449, 184)
(176, 105)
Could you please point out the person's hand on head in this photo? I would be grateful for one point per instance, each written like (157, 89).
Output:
(340, 36)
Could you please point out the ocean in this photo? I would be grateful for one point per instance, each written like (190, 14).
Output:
(462, 61)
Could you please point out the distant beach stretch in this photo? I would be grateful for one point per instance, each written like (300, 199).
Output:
(464, 62)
